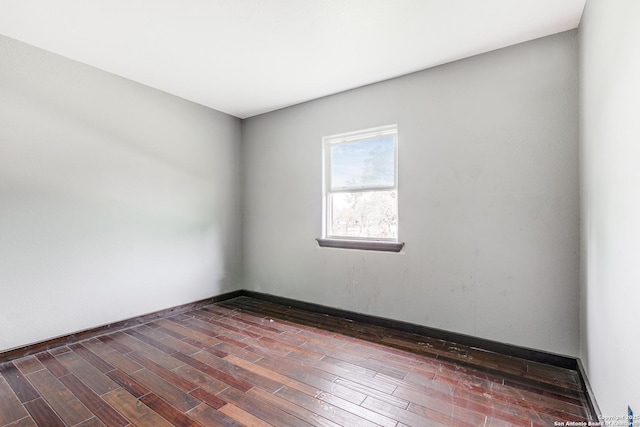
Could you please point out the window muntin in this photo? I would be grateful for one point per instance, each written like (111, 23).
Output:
(360, 185)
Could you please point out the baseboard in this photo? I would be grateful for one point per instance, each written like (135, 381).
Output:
(29, 349)
(471, 341)
(591, 398)
(534, 355)
(562, 361)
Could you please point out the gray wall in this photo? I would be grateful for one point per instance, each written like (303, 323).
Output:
(115, 199)
(488, 198)
(610, 176)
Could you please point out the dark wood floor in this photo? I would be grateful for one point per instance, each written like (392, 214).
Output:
(250, 362)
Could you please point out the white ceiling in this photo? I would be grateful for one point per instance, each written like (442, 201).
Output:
(246, 57)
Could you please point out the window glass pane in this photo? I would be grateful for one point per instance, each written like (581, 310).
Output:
(368, 214)
(363, 163)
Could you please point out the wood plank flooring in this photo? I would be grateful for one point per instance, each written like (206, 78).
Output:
(254, 363)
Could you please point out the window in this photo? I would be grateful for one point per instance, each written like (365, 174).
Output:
(361, 190)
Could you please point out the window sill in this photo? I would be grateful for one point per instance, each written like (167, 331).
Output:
(366, 245)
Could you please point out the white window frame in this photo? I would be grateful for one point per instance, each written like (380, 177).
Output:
(327, 191)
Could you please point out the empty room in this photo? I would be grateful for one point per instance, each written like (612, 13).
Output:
(319, 213)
